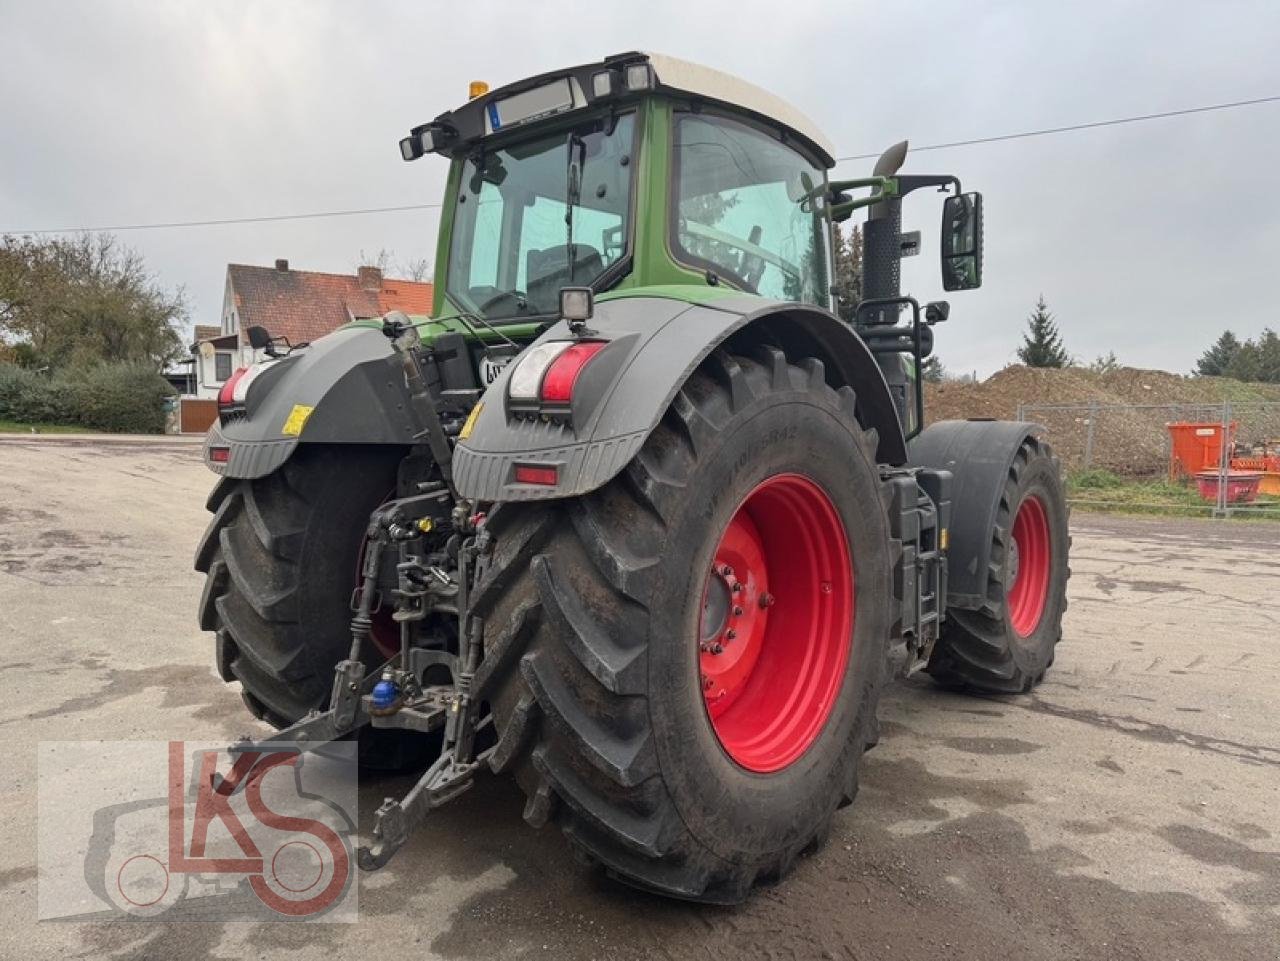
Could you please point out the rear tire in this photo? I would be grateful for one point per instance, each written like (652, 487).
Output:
(593, 609)
(280, 558)
(1008, 645)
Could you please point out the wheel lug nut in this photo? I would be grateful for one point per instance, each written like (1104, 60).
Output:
(706, 683)
(730, 635)
(726, 570)
(737, 611)
(735, 586)
(766, 600)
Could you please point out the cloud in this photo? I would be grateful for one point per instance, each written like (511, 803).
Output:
(1146, 240)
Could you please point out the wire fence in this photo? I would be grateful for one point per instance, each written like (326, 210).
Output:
(1221, 459)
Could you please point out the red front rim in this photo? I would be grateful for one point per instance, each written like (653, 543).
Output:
(1029, 574)
(776, 624)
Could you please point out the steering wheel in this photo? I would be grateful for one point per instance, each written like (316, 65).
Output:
(753, 256)
(519, 296)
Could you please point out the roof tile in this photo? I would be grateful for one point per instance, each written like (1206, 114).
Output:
(305, 305)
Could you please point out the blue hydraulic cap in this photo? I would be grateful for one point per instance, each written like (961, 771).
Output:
(385, 694)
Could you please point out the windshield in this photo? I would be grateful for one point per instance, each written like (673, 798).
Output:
(541, 215)
(747, 208)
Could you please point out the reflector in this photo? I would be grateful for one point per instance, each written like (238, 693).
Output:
(530, 474)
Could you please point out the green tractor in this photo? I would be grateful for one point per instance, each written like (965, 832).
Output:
(634, 515)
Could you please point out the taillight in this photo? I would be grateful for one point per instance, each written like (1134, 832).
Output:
(226, 396)
(558, 381)
(547, 372)
(236, 388)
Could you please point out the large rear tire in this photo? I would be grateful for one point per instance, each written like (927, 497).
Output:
(280, 558)
(1007, 646)
(614, 719)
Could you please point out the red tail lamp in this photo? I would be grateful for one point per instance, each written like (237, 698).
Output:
(227, 395)
(558, 381)
(546, 373)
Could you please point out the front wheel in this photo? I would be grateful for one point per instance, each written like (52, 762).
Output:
(684, 666)
(1007, 645)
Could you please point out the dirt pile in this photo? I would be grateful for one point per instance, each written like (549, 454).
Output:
(1131, 441)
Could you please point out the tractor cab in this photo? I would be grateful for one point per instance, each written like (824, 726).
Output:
(643, 173)
(637, 171)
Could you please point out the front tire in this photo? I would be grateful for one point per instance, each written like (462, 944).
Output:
(1007, 646)
(595, 610)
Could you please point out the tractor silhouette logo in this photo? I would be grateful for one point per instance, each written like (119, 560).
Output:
(230, 836)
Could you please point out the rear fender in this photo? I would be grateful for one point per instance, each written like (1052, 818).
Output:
(656, 343)
(978, 454)
(346, 388)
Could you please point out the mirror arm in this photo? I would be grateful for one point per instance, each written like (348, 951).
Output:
(882, 188)
(910, 182)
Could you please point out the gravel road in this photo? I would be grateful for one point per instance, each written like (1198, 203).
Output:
(1126, 809)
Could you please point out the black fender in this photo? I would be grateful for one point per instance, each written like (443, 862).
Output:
(978, 453)
(345, 388)
(656, 343)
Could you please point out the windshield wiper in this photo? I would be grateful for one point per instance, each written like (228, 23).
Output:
(573, 193)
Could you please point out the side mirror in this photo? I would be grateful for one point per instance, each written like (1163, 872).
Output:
(962, 242)
(259, 338)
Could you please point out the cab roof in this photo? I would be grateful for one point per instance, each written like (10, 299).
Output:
(561, 91)
(710, 84)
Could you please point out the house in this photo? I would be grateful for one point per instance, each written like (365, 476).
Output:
(297, 305)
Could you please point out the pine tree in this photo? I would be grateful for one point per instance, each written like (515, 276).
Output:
(1215, 361)
(1042, 344)
(1269, 351)
(848, 279)
(932, 370)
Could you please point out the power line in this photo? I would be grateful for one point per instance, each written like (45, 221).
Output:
(1042, 132)
(229, 220)
(1078, 126)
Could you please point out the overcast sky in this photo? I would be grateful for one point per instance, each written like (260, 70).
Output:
(1146, 239)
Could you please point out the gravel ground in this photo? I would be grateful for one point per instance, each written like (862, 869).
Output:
(1127, 809)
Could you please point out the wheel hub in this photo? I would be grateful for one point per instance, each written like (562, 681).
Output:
(776, 624)
(1030, 556)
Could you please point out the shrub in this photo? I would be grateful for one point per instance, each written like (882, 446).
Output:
(120, 398)
(1097, 478)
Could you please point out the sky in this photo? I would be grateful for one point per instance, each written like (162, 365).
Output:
(1147, 240)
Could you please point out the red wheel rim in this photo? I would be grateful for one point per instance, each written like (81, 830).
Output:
(1029, 575)
(776, 624)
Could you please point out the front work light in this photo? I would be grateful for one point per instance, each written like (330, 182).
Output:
(639, 76)
(601, 84)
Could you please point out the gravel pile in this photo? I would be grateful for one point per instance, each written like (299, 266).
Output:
(1133, 441)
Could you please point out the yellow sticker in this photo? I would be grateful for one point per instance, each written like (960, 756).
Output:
(470, 423)
(296, 420)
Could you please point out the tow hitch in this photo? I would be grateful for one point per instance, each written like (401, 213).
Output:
(441, 548)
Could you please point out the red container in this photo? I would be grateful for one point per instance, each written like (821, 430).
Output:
(1195, 447)
(1242, 486)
